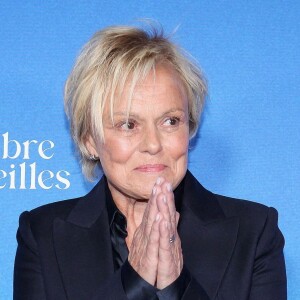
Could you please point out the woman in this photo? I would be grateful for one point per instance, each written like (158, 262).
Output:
(148, 230)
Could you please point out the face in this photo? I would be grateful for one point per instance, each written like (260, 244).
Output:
(152, 142)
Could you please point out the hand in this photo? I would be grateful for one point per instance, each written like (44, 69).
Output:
(151, 254)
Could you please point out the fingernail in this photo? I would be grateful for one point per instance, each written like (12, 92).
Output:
(154, 191)
(157, 217)
(165, 199)
(169, 187)
(159, 180)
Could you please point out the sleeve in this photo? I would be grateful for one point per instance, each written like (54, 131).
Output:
(28, 280)
(177, 289)
(269, 276)
(184, 287)
(135, 287)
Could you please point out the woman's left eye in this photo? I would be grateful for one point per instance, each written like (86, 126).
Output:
(173, 121)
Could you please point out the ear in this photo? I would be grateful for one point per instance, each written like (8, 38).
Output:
(91, 146)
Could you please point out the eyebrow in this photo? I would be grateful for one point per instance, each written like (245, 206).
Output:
(133, 115)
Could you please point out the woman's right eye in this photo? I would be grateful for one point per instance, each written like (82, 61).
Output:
(128, 125)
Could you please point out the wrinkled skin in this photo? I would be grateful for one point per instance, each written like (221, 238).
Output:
(151, 254)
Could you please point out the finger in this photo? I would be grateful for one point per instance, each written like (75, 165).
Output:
(173, 246)
(177, 218)
(162, 204)
(165, 203)
(164, 239)
(153, 241)
(178, 255)
(166, 272)
(136, 248)
(151, 209)
(167, 188)
(170, 253)
(143, 254)
(148, 266)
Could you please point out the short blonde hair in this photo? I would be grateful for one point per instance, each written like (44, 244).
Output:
(112, 57)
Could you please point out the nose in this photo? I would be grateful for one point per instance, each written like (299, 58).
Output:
(151, 141)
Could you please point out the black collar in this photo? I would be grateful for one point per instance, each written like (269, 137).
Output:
(113, 213)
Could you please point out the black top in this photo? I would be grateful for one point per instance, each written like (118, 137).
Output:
(232, 248)
(135, 287)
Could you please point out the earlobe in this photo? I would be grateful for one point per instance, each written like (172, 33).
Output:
(91, 146)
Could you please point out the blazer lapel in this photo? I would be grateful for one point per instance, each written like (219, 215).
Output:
(82, 245)
(208, 237)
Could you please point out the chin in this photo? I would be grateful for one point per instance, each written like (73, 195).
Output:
(145, 192)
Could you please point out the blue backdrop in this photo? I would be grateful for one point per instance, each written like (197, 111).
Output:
(249, 142)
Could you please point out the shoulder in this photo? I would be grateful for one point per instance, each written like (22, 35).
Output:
(37, 227)
(258, 229)
(202, 199)
(241, 207)
(253, 216)
(62, 209)
(234, 206)
(40, 220)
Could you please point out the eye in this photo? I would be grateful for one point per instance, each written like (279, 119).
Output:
(172, 121)
(128, 125)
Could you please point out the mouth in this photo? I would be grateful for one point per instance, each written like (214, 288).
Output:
(151, 168)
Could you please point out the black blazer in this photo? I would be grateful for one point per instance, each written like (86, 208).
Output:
(232, 248)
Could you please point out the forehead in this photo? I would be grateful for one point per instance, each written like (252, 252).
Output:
(162, 87)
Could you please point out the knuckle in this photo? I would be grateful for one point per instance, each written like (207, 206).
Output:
(165, 251)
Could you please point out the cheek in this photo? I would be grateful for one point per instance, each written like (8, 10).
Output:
(177, 152)
(178, 145)
(116, 151)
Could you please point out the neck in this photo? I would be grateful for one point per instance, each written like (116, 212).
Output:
(132, 209)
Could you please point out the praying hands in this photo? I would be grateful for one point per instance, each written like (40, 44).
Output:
(155, 252)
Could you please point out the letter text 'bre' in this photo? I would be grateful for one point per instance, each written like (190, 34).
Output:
(27, 175)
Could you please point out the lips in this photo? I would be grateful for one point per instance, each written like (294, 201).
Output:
(151, 168)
